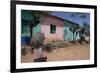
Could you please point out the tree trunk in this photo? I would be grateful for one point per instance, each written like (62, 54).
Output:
(31, 33)
(73, 36)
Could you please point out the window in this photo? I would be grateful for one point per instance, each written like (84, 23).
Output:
(52, 28)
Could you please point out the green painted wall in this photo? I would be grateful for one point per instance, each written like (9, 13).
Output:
(25, 30)
(27, 17)
(36, 29)
(68, 35)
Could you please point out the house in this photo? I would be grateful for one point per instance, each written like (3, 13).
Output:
(54, 28)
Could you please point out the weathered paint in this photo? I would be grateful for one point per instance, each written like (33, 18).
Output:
(68, 35)
(25, 28)
(26, 17)
(45, 28)
(62, 27)
(36, 29)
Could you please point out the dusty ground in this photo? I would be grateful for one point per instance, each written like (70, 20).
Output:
(75, 52)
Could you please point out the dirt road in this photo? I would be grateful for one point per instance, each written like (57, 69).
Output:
(75, 52)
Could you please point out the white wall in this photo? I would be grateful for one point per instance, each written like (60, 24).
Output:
(5, 37)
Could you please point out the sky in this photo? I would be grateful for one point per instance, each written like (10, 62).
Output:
(79, 18)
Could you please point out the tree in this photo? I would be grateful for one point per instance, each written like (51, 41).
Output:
(37, 18)
(74, 28)
(35, 21)
(86, 28)
(84, 31)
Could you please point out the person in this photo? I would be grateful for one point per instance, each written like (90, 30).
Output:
(37, 43)
(39, 55)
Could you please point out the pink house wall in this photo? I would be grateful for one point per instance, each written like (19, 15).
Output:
(45, 28)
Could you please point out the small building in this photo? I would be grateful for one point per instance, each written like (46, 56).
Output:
(53, 27)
